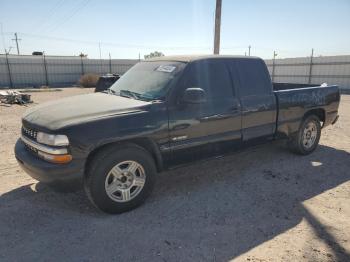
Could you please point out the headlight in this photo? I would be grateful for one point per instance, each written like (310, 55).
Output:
(52, 140)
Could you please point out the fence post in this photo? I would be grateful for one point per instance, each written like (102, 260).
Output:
(82, 65)
(310, 69)
(110, 63)
(273, 66)
(9, 70)
(45, 71)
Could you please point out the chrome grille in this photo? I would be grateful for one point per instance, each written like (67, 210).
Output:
(29, 132)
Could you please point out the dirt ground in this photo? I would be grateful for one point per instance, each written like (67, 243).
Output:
(261, 204)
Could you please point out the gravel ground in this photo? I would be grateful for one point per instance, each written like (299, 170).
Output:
(261, 204)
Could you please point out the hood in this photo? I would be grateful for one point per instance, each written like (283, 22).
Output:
(82, 108)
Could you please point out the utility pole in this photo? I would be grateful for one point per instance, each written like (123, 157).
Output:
(110, 63)
(99, 47)
(273, 65)
(45, 69)
(311, 63)
(8, 68)
(8, 51)
(249, 50)
(17, 39)
(217, 27)
(82, 63)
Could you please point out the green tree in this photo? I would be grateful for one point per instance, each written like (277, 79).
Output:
(154, 54)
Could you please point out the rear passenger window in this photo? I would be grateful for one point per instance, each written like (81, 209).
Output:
(252, 75)
(213, 77)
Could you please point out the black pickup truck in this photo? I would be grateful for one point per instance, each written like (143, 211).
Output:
(163, 113)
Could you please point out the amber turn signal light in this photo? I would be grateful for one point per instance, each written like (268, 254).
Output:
(58, 159)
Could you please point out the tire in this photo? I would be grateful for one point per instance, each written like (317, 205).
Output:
(107, 171)
(297, 142)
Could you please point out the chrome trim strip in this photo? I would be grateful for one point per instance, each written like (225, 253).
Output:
(43, 148)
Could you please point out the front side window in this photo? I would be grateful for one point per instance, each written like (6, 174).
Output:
(148, 80)
(212, 76)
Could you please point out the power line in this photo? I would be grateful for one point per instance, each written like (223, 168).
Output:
(139, 46)
(3, 37)
(16, 40)
(66, 18)
(146, 46)
(48, 16)
(121, 45)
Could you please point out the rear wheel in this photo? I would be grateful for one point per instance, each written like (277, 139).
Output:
(120, 178)
(306, 139)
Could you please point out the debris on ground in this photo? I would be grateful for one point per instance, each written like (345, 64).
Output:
(14, 97)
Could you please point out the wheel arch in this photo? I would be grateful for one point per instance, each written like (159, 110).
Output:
(146, 143)
(319, 112)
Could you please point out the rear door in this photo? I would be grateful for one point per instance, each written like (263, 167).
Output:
(202, 130)
(256, 97)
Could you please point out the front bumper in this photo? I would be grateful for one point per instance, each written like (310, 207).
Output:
(66, 176)
(335, 120)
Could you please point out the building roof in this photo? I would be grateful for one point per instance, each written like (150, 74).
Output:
(189, 58)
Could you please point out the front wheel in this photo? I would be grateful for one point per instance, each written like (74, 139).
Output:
(120, 178)
(306, 139)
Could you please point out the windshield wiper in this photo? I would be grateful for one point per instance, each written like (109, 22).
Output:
(134, 95)
(109, 91)
(130, 94)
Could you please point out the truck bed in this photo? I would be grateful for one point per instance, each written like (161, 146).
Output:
(293, 100)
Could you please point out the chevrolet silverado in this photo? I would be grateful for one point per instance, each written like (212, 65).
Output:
(162, 113)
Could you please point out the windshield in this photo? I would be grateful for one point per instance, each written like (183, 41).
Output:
(147, 80)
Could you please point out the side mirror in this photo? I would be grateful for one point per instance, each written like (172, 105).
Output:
(194, 95)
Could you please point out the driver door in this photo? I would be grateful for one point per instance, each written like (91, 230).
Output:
(205, 129)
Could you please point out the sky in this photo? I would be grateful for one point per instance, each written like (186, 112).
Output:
(127, 29)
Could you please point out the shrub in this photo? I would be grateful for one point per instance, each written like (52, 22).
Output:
(88, 80)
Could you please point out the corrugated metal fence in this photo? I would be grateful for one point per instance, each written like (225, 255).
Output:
(28, 71)
(312, 70)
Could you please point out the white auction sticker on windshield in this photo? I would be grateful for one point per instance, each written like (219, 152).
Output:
(166, 68)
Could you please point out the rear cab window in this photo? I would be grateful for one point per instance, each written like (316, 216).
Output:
(251, 76)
